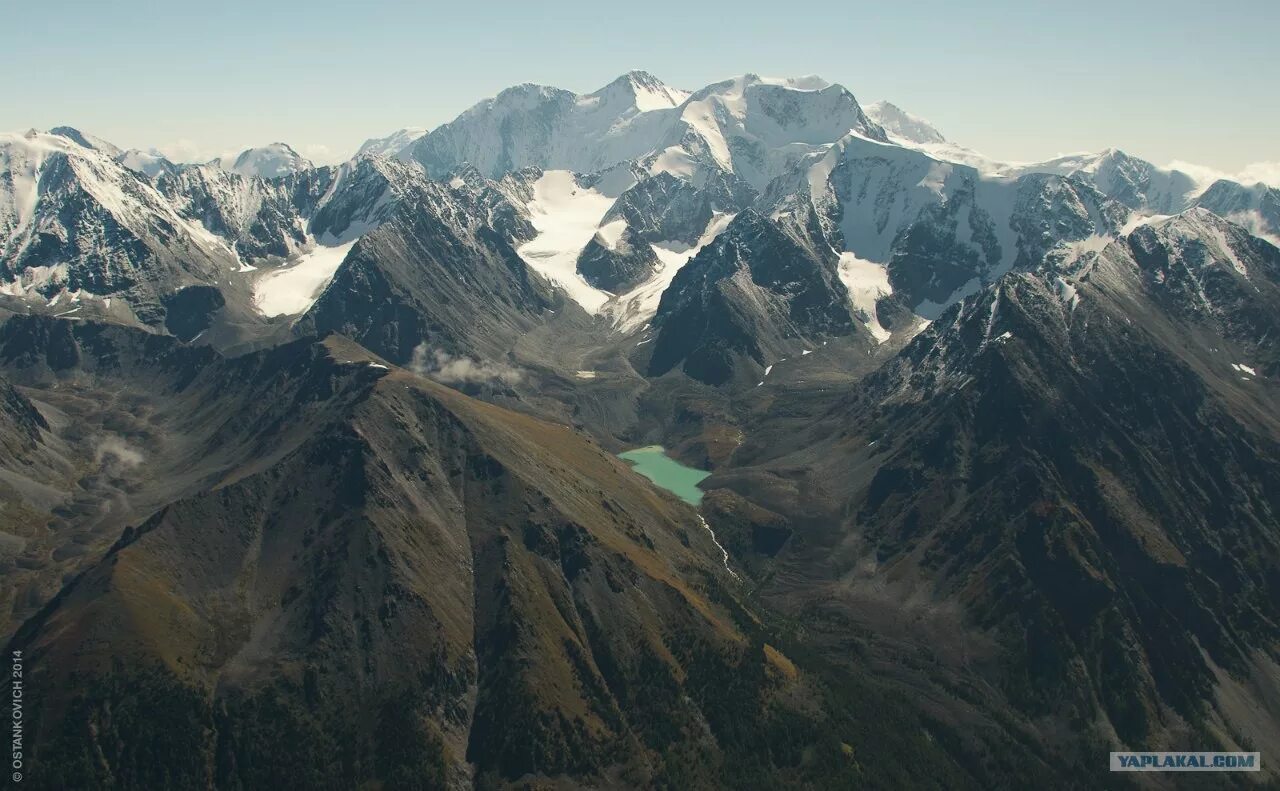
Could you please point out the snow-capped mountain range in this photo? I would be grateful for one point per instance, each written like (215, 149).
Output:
(604, 195)
(1004, 438)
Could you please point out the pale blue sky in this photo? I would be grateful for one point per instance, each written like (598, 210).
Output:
(1015, 79)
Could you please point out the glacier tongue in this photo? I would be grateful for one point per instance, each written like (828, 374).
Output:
(866, 281)
(292, 289)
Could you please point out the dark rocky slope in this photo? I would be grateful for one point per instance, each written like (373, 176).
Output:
(757, 293)
(364, 577)
(1064, 487)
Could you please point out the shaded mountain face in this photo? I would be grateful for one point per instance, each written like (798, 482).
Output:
(363, 194)
(956, 244)
(752, 295)
(433, 273)
(664, 208)
(1256, 208)
(942, 230)
(892, 232)
(132, 420)
(1210, 273)
(1127, 179)
(503, 203)
(629, 262)
(359, 576)
(1088, 466)
(202, 251)
(260, 218)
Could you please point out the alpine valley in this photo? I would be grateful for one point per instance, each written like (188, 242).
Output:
(308, 474)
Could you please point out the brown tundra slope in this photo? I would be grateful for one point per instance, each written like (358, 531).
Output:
(363, 578)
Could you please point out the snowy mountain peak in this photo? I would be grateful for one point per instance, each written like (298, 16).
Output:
(526, 94)
(87, 141)
(759, 128)
(902, 124)
(392, 144)
(806, 82)
(641, 90)
(1195, 225)
(148, 163)
(268, 162)
(739, 133)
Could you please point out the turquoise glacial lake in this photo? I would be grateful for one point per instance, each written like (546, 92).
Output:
(653, 463)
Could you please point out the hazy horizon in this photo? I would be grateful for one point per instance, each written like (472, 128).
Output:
(1013, 83)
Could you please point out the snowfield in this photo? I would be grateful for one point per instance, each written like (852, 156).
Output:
(565, 216)
(293, 289)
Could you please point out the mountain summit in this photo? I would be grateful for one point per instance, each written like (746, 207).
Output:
(269, 162)
(904, 125)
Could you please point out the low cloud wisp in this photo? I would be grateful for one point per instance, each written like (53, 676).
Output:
(443, 367)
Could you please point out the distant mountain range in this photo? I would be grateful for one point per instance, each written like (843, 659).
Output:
(307, 472)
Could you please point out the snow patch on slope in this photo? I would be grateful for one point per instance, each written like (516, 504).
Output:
(21, 157)
(148, 163)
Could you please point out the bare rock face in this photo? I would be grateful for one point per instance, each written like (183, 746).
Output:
(625, 265)
(664, 208)
(755, 292)
(434, 272)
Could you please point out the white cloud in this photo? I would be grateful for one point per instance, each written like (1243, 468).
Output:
(116, 448)
(182, 151)
(444, 367)
(1266, 172)
(1200, 173)
(320, 154)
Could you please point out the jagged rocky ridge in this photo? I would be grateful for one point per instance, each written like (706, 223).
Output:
(911, 216)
